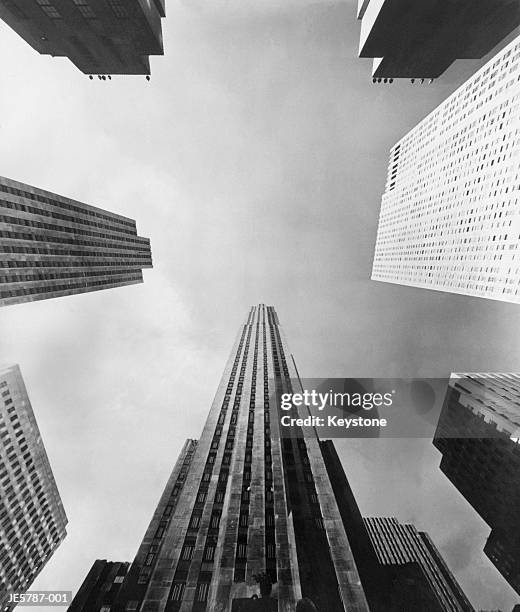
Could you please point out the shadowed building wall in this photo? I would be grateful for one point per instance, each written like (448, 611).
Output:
(422, 39)
(98, 36)
(416, 565)
(100, 587)
(478, 435)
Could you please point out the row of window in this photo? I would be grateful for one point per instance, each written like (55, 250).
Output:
(84, 210)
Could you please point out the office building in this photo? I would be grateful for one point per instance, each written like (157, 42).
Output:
(32, 518)
(402, 545)
(98, 36)
(410, 39)
(449, 217)
(249, 519)
(52, 246)
(100, 587)
(478, 435)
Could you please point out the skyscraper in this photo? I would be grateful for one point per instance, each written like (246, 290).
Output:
(478, 435)
(100, 588)
(51, 246)
(247, 512)
(422, 39)
(401, 545)
(98, 36)
(32, 518)
(449, 217)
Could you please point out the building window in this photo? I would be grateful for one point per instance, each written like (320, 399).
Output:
(85, 9)
(195, 521)
(49, 9)
(244, 520)
(202, 591)
(178, 591)
(117, 8)
(215, 520)
(241, 551)
(209, 553)
(149, 559)
(168, 510)
(187, 552)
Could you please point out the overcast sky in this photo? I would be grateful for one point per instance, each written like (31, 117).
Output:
(255, 160)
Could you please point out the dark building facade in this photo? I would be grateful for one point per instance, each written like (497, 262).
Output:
(410, 39)
(418, 570)
(372, 573)
(52, 246)
(478, 435)
(98, 36)
(100, 587)
(249, 519)
(32, 518)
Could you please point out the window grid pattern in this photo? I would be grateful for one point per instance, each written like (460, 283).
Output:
(48, 9)
(32, 519)
(450, 215)
(52, 246)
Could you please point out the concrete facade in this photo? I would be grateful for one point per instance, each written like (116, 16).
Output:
(52, 246)
(100, 588)
(32, 518)
(98, 36)
(449, 216)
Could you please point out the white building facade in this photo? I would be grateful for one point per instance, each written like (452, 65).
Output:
(450, 214)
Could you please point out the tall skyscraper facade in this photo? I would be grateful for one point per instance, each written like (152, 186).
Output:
(52, 246)
(98, 36)
(248, 520)
(422, 39)
(397, 545)
(32, 518)
(100, 588)
(478, 435)
(449, 217)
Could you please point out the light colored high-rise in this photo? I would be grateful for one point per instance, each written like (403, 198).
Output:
(32, 518)
(450, 214)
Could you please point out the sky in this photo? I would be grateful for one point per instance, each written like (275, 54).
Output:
(255, 160)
